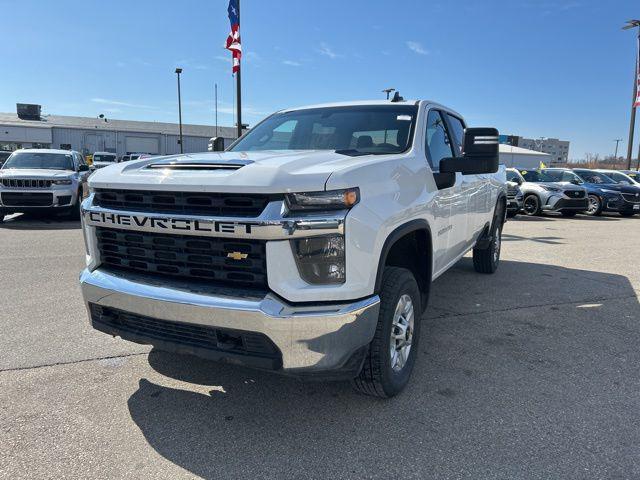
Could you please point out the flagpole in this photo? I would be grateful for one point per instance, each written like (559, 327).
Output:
(632, 123)
(216, 95)
(238, 87)
(633, 24)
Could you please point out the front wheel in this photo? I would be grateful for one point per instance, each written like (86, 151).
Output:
(595, 206)
(531, 205)
(2, 214)
(392, 352)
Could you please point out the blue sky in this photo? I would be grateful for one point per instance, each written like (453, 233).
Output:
(530, 67)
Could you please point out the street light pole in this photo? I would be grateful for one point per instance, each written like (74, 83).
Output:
(178, 72)
(633, 24)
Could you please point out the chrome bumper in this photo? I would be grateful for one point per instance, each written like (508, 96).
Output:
(311, 339)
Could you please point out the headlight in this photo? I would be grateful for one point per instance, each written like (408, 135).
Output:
(329, 200)
(551, 189)
(65, 181)
(320, 260)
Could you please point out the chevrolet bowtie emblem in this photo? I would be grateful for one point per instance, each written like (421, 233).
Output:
(237, 255)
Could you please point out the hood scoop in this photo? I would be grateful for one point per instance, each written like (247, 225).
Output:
(198, 165)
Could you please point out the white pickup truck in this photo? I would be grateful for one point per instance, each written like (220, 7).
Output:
(308, 247)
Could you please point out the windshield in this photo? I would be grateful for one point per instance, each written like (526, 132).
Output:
(594, 177)
(618, 177)
(104, 158)
(536, 176)
(376, 129)
(40, 160)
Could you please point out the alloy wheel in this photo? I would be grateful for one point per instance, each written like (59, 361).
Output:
(402, 332)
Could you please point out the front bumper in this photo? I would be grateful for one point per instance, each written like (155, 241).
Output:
(556, 203)
(514, 204)
(315, 340)
(619, 204)
(22, 200)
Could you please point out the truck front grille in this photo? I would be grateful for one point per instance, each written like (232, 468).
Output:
(27, 199)
(147, 329)
(186, 203)
(25, 183)
(217, 260)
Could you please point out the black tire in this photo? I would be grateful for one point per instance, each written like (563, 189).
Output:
(486, 260)
(378, 378)
(568, 213)
(531, 205)
(627, 214)
(595, 206)
(511, 213)
(2, 214)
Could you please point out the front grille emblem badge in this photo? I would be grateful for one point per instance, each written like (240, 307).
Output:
(237, 255)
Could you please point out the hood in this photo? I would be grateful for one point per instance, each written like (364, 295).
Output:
(34, 173)
(617, 187)
(561, 185)
(251, 172)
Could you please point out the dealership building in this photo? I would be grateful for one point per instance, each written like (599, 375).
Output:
(27, 128)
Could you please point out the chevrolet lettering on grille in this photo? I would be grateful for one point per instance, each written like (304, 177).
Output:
(167, 224)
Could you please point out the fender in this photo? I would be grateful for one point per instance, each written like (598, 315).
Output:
(394, 236)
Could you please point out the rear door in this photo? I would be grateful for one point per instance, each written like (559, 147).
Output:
(474, 189)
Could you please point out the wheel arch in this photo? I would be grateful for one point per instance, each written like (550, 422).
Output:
(416, 233)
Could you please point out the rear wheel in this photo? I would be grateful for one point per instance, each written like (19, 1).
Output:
(531, 205)
(392, 352)
(594, 207)
(486, 260)
(568, 213)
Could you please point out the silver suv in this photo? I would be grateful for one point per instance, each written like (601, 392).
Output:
(548, 190)
(37, 180)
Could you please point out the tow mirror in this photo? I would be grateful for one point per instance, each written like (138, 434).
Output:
(83, 168)
(217, 144)
(479, 153)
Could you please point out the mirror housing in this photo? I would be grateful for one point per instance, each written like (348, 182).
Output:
(480, 153)
(83, 168)
(217, 144)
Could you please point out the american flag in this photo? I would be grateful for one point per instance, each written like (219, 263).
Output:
(233, 40)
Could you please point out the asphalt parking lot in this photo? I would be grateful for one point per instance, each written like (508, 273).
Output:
(530, 373)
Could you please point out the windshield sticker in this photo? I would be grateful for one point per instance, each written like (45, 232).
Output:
(406, 118)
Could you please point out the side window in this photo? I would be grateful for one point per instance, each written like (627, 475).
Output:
(457, 132)
(569, 177)
(438, 143)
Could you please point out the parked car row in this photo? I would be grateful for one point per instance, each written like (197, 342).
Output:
(104, 159)
(572, 191)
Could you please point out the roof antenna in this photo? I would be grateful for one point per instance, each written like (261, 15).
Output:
(388, 91)
(397, 97)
